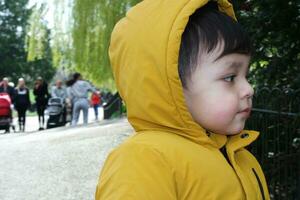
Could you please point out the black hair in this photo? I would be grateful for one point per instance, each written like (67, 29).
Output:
(73, 80)
(205, 30)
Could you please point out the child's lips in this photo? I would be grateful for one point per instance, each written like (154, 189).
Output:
(246, 111)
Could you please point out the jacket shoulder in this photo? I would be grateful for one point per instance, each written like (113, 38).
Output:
(135, 171)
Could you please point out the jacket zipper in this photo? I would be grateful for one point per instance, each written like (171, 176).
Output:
(259, 184)
(223, 151)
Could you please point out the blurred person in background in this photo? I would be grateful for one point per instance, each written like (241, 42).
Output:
(7, 88)
(59, 91)
(96, 102)
(21, 102)
(78, 92)
(41, 97)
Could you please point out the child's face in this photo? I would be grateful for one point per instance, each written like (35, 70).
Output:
(219, 96)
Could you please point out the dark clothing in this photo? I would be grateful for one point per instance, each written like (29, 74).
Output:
(22, 103)
(21, 98)
(40, 111)
(21, 117)
(41, 97)
(9, 90)
(41, 94)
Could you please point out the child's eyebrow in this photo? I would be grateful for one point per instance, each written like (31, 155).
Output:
(234, 64)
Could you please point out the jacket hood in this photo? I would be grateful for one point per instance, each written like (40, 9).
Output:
(144, 53)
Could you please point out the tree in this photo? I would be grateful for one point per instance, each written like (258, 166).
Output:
(93, 23)
(274, 26)
(62, 42)
(14, 17)
(37, 34)
(39, 53)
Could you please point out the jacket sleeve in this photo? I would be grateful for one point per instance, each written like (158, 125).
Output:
(28, 98)
(90, 87)
(15, 97)
(136, 172)
(53, 92)
(35, 91)
(47, 94)
(71, 93)
(12, 94)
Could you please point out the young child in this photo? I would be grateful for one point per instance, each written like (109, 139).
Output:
(96, 102)
(181, 68)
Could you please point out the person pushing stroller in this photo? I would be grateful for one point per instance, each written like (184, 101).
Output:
(57, 106)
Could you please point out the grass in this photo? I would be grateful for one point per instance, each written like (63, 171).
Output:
(28, 114)
(32, 101)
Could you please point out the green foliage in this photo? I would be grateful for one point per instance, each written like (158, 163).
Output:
(82, 29)
(13, 20)
(274, 26)
(93, 24)
(36, 39)
(62, 46)
(14, 16)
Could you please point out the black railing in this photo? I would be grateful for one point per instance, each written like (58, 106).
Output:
(113, 106)
(276, 115)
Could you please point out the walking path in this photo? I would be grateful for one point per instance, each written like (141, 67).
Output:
(61, 164)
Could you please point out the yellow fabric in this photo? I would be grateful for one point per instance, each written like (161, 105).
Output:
(170, 156)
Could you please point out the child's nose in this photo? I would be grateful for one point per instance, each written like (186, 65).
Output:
(247, 90)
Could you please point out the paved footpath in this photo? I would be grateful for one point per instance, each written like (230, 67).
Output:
(57, 164)
(32, 122)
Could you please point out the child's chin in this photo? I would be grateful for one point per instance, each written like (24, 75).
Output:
(232, 129)
(235, 130)
(229, 132)
(233, 133)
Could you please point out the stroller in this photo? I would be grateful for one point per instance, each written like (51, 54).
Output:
(57, 113)
(5, 113)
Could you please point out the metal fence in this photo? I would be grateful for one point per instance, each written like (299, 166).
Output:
(276, 115)
(113, 106)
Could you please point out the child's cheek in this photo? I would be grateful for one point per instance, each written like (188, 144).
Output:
(224, 111)
(221, 117)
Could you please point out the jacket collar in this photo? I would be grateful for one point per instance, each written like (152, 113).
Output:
(241, 140)
(234, 142)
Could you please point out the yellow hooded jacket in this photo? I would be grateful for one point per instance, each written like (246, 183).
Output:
(170, 156)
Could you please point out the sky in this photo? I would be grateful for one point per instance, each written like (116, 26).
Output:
(49, 16)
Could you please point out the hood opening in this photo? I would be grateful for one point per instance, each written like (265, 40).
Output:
(144, 53)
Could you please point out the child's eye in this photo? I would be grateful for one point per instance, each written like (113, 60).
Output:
(229, 78)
